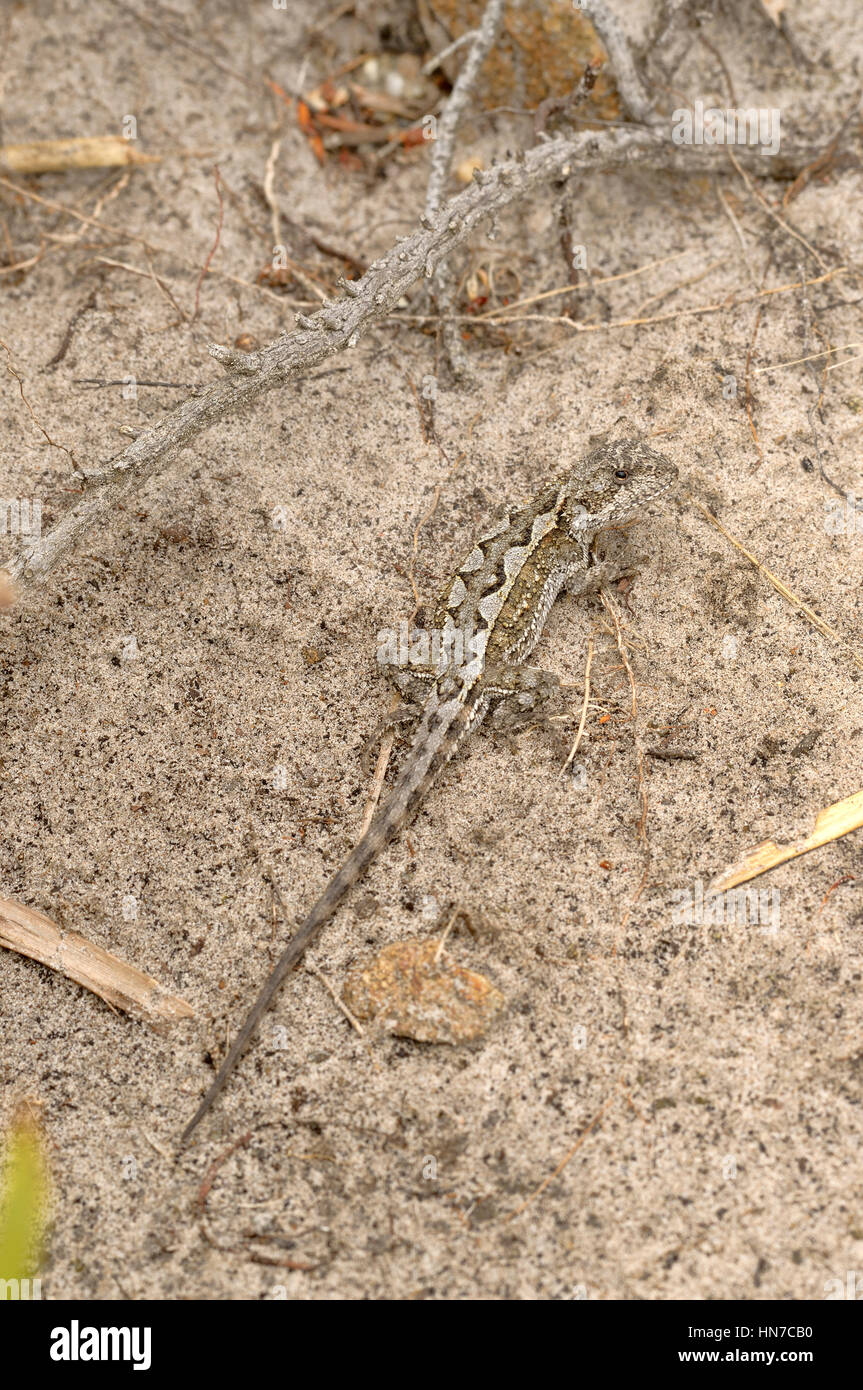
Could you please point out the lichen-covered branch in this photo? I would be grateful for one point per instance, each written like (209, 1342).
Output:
(629, 83)
(442, 149)
(441, 287)
(338, 324)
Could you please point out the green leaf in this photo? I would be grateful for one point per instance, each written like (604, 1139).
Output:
(23, 1200)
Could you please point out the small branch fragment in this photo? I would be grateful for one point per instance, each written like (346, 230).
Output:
(215, 246)
(339, 1003)
(629, 83)
(442, 151)
(12, 370)
(55, 156)
(442, 291)
(581, 722)
(246, 363)
(210, 1175)
(568, 1156)
(434, 63)
(121, 985)
(782, 588)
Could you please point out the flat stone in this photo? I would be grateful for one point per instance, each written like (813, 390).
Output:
(407, 993)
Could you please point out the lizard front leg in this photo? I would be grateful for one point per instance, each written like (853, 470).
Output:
(600, 575)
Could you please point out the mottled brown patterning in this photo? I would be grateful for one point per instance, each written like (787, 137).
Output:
(499, 599)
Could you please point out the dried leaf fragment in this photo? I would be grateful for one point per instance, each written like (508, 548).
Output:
(412, 994)
(311, 132)
(831, 823)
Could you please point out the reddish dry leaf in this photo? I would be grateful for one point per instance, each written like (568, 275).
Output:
(311, 132)
(352, 127)
(280, 91)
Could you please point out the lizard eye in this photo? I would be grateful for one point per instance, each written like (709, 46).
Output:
(621, 474)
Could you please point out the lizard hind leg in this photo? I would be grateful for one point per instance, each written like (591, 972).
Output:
(407, 666)
(521, 695)
(407, 714)
(413, 683)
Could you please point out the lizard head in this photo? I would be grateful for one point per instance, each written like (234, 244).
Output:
(612, 484)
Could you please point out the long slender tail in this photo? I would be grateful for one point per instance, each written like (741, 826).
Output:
(442, 728)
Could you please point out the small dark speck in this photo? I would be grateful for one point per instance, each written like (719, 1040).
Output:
(807, 743)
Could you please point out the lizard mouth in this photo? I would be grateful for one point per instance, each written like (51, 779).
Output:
(661, 482)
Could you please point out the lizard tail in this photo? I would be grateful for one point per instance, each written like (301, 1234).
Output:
(440, 732)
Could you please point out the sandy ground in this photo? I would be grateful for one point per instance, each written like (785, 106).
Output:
(704, 1080)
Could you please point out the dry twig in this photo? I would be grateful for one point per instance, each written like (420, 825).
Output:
(121, 985)
(782, 588)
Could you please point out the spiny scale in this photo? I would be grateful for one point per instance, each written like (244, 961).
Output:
(499, 599)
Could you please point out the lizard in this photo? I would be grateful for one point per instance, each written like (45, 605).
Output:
(497, 603)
